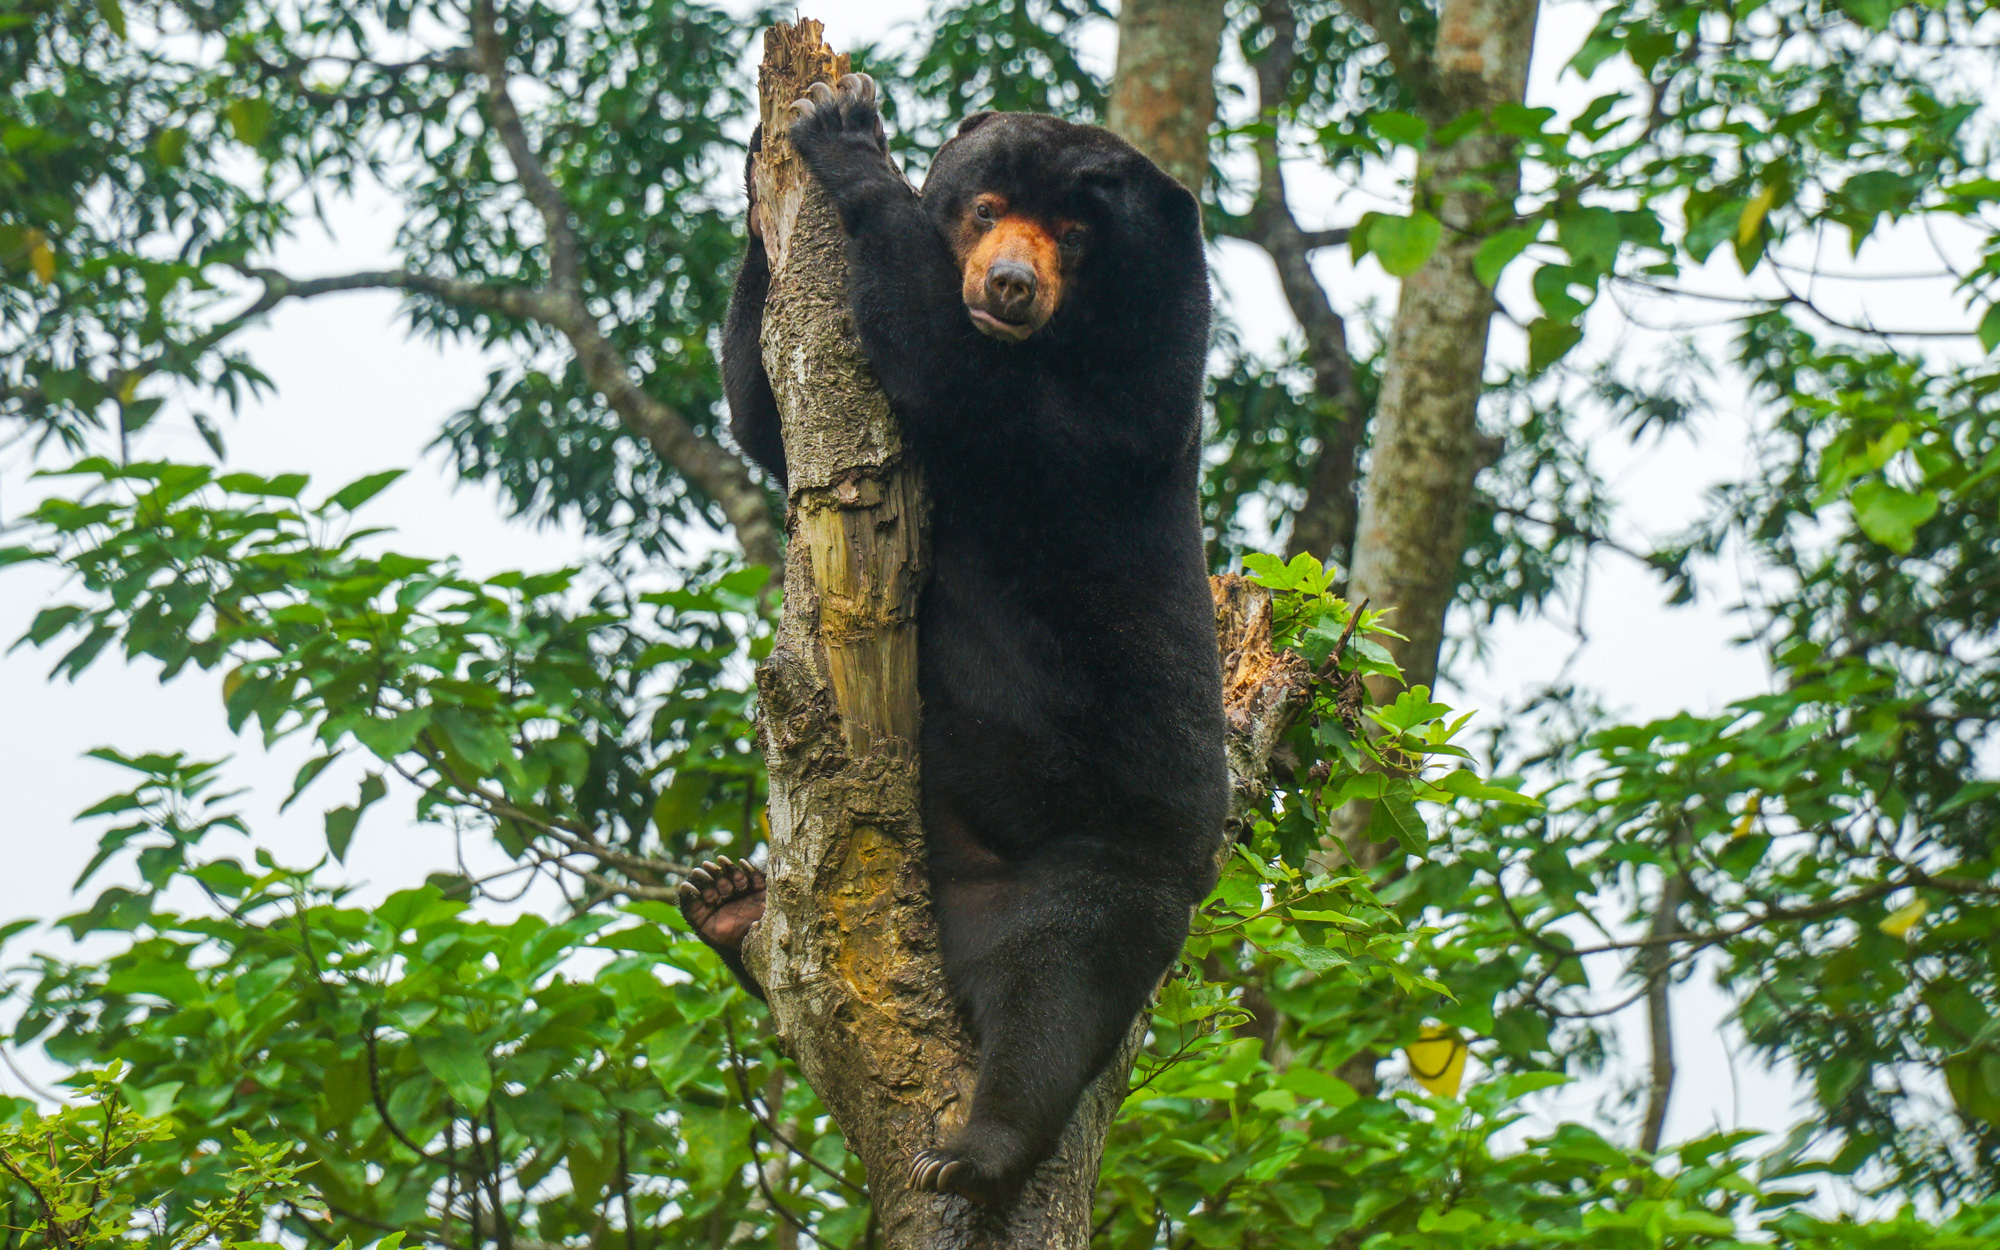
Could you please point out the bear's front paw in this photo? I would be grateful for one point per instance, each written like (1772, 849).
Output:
(829, 115)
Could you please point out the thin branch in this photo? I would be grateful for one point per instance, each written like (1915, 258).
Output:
(1655, 964)
(762, 1117)
(565, 274)
(1326, 520)
(382, 1103)
(1569, 529)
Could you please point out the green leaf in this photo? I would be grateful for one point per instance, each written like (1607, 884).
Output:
(1403, 244)
(249, 120)
(1399, 127)
(1463, 782)
(1395, 818)
(307, 774)
(1549, 341)
(1499, 249)
(340, 822)
(455, 1058)
(1989, 328)
(360, 491)
(1890, 515)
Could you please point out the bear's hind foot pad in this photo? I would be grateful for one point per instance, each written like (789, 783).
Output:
(721, 899)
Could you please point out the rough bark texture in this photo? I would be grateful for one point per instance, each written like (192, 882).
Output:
(846, 950)
(1163, 88)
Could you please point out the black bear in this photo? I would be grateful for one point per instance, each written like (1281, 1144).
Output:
(1039, 319)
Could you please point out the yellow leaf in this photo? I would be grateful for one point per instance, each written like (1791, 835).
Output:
(1748, 820)
(41, 257)
(1899, 922)
(128, 390)
(232, 681)
(1753, 215)
(1437, 1061)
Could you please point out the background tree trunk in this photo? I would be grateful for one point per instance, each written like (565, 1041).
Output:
(1427, 446)
(1163, 87)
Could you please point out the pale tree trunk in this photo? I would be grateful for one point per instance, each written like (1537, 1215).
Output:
(1163, 87)
(1656, 966)
(1427, 446)
(846, 950)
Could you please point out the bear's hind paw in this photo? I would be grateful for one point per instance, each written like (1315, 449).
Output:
(936, 1171)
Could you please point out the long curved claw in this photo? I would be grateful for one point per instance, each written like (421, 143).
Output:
(860, 85)
(820, 94)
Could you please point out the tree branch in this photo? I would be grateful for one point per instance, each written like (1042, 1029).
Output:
(1655, 964)
(1324, 524)
(565, 274)
(671, 435)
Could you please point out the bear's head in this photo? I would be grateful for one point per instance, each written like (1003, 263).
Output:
(1048, 218)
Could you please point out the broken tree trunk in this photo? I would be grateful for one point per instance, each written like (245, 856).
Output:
(846, 950)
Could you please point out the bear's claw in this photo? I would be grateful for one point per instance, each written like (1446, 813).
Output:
(847, 106)
(935, 1171)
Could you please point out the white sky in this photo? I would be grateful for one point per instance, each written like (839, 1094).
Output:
(354, 395)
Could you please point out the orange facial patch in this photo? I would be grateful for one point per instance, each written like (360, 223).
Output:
(1012, 269)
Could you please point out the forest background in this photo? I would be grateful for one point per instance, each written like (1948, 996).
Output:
(1818, 488)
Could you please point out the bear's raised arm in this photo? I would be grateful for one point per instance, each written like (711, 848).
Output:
(753, 409)
(901, 280)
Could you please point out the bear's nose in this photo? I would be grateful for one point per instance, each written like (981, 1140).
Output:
(1010, 286)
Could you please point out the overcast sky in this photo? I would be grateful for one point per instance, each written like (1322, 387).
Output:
(354, 396)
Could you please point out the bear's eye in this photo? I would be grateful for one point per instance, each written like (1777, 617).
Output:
(983, 211)
(1073, 238)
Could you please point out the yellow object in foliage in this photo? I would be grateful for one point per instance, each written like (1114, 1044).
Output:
(41, 257)
(1753, 215)
(1899, 922)
(1748, 822)
(1437, 1060)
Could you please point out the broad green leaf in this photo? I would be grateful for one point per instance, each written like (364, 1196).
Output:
(456, 1059)
(1395, 817)
(1549, 341)
(1890, 515)
(1403, 244)
(1499, 249)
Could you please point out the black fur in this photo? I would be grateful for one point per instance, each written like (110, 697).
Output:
(1073, 773)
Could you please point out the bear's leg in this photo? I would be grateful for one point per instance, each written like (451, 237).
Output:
(1053, 961)
(721, 900)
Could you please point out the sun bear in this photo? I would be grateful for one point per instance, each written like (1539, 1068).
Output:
(1039, 320)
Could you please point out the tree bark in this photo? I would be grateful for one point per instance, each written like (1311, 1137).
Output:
(1163, 86)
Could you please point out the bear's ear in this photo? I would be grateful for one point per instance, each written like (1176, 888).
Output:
(974, 122)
